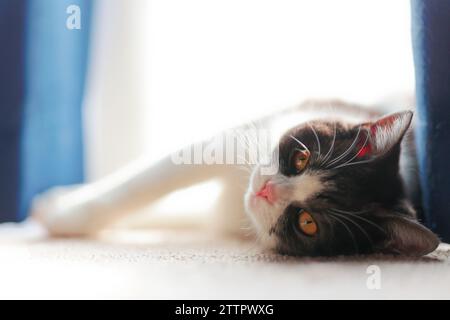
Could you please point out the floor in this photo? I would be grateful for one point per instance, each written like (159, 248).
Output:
(195, 265)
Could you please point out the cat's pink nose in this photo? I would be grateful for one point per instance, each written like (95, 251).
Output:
(267, 192)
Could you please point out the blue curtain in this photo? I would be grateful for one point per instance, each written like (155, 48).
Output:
(12, 25)
(431, 44)
(42, 78)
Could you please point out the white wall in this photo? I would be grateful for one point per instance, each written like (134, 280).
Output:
(115, 102)
(166, 72)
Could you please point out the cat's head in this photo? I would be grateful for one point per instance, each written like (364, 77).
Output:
(337, 191)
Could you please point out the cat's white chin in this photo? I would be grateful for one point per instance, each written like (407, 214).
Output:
(260, 213)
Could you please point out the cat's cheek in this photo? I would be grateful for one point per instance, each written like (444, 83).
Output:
(257, 206)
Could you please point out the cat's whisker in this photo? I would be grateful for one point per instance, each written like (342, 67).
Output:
(345, 153)
(350, 212)
(357, 153)
(354, 223)
(299, 142)
(317, 140)
(353, 163)
(245, 224)
(361, 218)
(355, 245)
(247, 231)
(330, 151)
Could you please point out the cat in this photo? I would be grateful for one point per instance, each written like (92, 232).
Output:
(341, 179)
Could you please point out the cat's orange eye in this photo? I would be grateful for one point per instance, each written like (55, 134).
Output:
(300, 159)
(307, 224)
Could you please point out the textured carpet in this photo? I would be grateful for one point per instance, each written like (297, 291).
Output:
(192, 264)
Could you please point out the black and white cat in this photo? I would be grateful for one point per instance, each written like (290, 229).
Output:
(342, 181)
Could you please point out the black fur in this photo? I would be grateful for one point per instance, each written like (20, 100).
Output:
(363, 210)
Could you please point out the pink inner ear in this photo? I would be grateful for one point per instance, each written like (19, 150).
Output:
(373, 129)
(382, 123)
(386, 121)
(364, 151)
(364, 146)
(384, 133)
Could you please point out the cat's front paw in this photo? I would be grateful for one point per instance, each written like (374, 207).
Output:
(62, 211)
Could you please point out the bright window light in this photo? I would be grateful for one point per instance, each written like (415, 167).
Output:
(211, 64)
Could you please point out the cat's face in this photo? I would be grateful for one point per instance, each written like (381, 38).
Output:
(338, 191)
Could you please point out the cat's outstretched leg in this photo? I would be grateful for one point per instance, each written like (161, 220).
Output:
(88, 208)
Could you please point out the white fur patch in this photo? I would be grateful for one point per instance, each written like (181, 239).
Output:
(305, 186)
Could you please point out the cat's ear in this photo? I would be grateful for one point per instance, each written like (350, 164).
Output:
(387, 131)
(408, 237)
